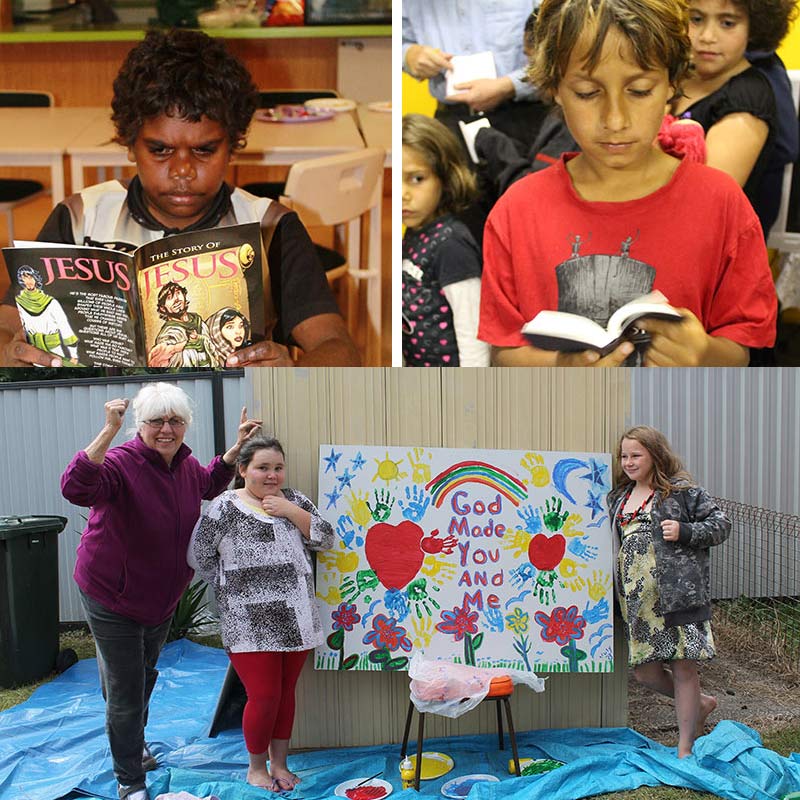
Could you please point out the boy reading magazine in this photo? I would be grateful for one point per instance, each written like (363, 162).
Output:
(181, 106)
(97, 307)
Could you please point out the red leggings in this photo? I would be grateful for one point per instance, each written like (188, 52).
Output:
(269, 680)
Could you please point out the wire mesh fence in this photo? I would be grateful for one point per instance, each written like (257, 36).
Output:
(755, 577)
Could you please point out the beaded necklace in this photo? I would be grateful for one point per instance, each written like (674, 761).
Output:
(625, 518)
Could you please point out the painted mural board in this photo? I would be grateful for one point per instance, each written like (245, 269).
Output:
(494, 558)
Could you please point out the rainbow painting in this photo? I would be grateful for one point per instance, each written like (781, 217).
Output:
(487, 558)
(476, 472)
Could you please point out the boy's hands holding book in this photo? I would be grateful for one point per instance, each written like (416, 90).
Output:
(591, 358)
(14, 348)
(688, 345)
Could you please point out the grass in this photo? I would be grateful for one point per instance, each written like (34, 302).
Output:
(774, 620)
(784, 741)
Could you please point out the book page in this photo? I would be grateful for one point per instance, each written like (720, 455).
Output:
(77, 302)
(469, 68)
(653, 304)
(549, 328)
(201, 295)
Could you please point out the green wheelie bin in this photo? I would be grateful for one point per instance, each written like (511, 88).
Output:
(28, 597)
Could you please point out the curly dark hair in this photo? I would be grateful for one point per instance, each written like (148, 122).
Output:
(186, 74)
(167, 290)
(769, 20)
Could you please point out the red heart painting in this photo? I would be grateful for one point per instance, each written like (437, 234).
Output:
(546, 552)
(394, 553)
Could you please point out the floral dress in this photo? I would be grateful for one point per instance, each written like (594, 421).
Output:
(649, 637)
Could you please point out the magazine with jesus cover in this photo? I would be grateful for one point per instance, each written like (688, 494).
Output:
(187, 300)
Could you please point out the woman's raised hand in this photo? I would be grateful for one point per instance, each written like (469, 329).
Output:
(247, 428)
(115, 411)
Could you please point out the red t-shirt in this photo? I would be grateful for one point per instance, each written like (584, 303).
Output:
(696, 239)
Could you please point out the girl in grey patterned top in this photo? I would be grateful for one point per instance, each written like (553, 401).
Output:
(252, 545)
(664, 525)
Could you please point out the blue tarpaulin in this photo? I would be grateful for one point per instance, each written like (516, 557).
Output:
(55, 743)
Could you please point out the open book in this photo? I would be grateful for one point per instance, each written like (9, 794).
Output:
(187, 300)
(559, 330)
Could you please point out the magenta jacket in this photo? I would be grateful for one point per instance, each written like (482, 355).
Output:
(132, 555)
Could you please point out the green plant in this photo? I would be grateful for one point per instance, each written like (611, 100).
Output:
(191, 613)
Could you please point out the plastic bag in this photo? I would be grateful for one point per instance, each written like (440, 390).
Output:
(442, 687)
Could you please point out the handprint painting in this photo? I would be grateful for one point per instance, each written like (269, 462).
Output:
(493, 558)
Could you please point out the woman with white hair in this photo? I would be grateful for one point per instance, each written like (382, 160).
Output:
(131, 569)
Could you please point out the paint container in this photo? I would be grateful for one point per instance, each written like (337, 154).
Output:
(792, 796)
(407, 773)
(523, 762)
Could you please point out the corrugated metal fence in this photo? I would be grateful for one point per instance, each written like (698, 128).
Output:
(738, 430)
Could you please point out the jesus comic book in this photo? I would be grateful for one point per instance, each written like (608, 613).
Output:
(187, 300)
(570, 333)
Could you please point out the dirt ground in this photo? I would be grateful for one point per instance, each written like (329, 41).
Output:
(749, 682)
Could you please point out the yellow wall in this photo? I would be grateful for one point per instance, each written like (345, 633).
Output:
(790, 49)
(416, 97)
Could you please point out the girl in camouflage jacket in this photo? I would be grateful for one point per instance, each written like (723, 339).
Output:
(664, 526)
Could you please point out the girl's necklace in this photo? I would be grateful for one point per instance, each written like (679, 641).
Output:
(626, 517)
(251, 500)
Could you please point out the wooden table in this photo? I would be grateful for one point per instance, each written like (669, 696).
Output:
(376, 128)
(287, 142)
(38, 137)
(277, 143)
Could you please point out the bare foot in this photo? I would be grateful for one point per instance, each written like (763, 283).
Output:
(261, 778)
(284, 780)
(708, 704)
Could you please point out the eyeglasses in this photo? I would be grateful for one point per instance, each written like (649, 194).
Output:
(158, 423)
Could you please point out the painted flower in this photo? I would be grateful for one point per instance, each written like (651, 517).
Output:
(563, 625)
(459, 622)
(387, 633)
(518, 621)
(345, 616)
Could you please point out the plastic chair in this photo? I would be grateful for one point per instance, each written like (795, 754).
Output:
(337, 191)
(500, 689)
(780, 237)
(280, 97)
(13, 191)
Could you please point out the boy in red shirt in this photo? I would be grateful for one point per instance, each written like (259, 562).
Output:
(623, 218)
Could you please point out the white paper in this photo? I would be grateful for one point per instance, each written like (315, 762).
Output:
(469, 130)
(469, 68)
